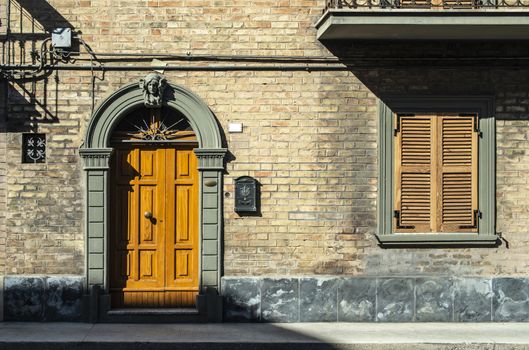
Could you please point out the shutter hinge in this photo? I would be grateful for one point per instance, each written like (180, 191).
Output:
(397, 127)
(476, 123)
(477, 215)
(396, 215)
(476, 126)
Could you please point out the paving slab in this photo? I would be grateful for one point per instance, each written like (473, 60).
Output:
(291, 336)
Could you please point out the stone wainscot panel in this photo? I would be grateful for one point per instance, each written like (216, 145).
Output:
(375, 299)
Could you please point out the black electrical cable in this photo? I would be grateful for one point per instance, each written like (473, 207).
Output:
(6, 68)
(214, 58)
(178, 68)
(128, 57)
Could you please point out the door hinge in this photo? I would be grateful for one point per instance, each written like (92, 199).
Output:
(475, 218)
(396, 215)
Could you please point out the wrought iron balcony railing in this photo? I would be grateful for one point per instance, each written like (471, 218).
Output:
(427, 4)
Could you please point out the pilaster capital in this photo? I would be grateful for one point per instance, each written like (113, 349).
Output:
(210, 159)
(96, 158)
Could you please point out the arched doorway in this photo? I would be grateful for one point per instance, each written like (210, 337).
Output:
(153, 248)
(122, 148)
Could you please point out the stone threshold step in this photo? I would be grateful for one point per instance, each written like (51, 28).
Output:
(153, 312)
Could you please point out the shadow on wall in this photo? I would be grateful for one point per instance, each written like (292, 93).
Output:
(442, 68)
(42, 12)
(31, 104)
(32, 20)
(418, 69)
(31, 101)
(43, 298)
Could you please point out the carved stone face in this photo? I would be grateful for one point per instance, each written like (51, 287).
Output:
(152, 87)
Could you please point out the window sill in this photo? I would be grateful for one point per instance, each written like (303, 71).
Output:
(438, 239)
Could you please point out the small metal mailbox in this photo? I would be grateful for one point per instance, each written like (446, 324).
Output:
(246, 194)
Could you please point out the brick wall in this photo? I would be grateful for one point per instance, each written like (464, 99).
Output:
(313, 148)
(309, 138)
(3, 170)
(3, 119)
(44, 200)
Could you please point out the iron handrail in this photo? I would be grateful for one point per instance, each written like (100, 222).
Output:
(426, 4)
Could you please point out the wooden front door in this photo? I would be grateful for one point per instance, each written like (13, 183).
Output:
(154, 223)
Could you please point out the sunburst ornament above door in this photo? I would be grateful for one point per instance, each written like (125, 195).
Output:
(156, 130)
(154, 125)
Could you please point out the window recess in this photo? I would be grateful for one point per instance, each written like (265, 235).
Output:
(423, 151)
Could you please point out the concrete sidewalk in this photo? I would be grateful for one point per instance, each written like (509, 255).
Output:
(363, 336)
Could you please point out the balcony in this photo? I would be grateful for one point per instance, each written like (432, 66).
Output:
(425, 20)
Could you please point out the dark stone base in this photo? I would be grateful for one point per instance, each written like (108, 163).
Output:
(62, 298)
(304, 299)
(375, 299)
(43, 298)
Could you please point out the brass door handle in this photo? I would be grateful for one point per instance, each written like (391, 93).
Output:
(148, 215)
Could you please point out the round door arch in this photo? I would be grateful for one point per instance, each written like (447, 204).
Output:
(96, 152)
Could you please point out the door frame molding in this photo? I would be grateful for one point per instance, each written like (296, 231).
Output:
(96, 152)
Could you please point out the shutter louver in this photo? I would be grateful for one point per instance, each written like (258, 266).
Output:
(413, 178)
(415, 199)
(458, 170)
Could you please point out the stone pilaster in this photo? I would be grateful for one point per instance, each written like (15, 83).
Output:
(96, 165)
(211, 167)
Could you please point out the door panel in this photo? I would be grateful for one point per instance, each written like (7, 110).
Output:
(183, 159)
(154, 260)
(182, 240)
(182, 263)
(148, 196)
(183, 197)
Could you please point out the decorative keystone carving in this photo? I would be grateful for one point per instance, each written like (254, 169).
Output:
(95, 158)
(153, 86)
(210, 159)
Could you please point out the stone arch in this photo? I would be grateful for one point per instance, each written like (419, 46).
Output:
(96, 152)
(130, 97)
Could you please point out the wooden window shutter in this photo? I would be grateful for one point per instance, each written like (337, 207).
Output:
(436, 174)
(413, 166)
(457, 175)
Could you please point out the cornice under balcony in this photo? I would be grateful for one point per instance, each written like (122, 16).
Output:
(377, 23)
